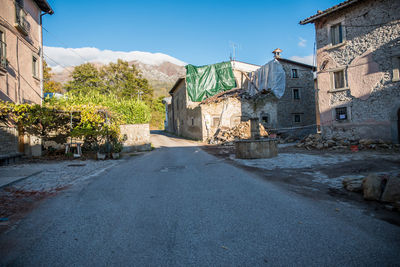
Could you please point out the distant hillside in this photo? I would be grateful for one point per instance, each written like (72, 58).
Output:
(161, 77)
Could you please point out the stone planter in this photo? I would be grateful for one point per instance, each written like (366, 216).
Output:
(115, 155)
(101, 156)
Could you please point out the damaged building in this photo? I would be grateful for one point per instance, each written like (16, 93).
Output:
(358, 66)
(200, 110)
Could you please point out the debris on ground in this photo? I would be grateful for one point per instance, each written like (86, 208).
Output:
(382, 188)
(227, 136)
(353, 183)
(317, 141)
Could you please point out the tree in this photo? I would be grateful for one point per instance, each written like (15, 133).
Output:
(50, 86)
(85, 78)
(126, 81)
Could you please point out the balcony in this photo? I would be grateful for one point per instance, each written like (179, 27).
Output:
(3, 58)
(20, 20)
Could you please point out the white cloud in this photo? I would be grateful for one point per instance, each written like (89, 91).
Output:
(306, 60)
(60, 57)
(302, 42)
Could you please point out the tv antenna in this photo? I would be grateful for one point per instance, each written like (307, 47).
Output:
(234, 47)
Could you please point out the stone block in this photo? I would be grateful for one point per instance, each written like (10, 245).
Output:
(255, 149)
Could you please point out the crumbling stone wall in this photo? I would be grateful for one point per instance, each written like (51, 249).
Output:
(229, 112)
(369, 57)
(288, 106)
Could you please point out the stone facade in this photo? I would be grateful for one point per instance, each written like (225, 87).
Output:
(296, 108)
(367, 102)
(200, 121)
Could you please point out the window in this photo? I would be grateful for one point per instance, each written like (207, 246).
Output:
(35, 67)
(3, 59)
(297, 118)
(20, 17)
(215, 121)
(295, 73)
(265, 119)
(338, 79)
(296, 94)
(192, 121)
(341, 113)
(337, 34)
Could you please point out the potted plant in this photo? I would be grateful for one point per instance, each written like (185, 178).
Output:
(116, 149)
(102, 152)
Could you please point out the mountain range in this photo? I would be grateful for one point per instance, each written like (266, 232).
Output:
(159, 69)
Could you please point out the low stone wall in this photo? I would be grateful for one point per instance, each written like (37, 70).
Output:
(136, 137)
(8, 140)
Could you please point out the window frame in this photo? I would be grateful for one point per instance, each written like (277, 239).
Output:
(332, 79)
(295, 73)
(216, 119)
(294, 118)
(343, 27)
(35, 66)
(3, 52)
(298, 94)
(337, 115)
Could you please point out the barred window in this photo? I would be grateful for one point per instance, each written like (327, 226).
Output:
(341, 113)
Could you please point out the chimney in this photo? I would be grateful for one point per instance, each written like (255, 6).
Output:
(277, 53)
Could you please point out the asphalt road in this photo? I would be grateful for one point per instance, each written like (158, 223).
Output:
(179, 206)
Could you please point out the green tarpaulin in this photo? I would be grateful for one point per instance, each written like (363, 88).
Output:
(205, 81)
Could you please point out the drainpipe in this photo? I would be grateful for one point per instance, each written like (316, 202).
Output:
(41, 55)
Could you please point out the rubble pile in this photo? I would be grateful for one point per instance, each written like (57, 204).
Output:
(228, 135)
(316, 141)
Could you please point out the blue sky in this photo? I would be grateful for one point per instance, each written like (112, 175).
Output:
(196, 32)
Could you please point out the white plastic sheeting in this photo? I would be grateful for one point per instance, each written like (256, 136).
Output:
(271, 76)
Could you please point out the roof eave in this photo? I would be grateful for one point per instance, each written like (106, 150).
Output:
(44, 6)
(327, 12)
(296, 63)
(175, 85)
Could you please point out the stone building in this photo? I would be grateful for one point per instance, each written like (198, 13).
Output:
(296, 108)
(21, 52)
(200, 120)
(358, 62)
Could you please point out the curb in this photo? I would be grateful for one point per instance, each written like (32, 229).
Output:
(20, 179)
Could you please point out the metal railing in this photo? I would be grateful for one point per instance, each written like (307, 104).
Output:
(3, 54)
(20, 19)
